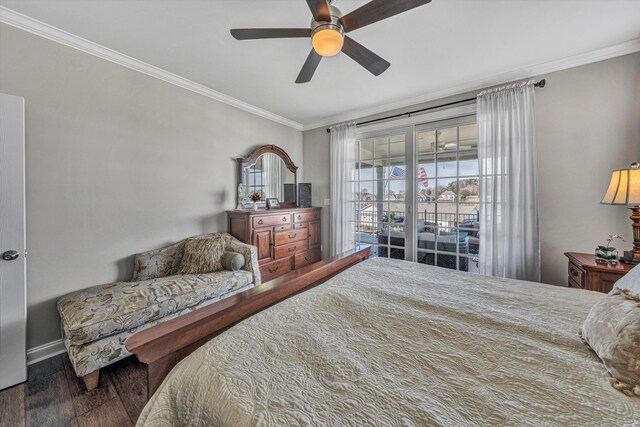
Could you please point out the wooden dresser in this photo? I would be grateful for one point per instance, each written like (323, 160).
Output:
(287, 239)
(585, 273)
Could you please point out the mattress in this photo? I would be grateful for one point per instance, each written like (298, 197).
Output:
(390, 342)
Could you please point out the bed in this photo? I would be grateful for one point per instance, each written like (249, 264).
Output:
(389, 342)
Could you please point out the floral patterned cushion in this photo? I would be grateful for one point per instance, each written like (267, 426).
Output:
(105, 310)
(89, 357)
(612, 330)
(158, 263)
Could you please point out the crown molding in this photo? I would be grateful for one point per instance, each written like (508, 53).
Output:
(624, 48)
(26, 23)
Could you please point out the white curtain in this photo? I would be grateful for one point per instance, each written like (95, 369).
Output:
(343, 150)
(272, 167)
(509, 231)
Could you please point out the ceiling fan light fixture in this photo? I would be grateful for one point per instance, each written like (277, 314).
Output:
(327, 40)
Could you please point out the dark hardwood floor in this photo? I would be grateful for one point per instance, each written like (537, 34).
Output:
(54, 396)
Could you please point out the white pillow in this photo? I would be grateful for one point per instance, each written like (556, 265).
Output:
(630, 281)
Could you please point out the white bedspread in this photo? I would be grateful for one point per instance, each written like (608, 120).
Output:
(396, 343)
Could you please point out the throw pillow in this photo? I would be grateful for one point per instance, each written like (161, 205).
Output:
(157, 263)
(612, 330)
(630, 282)
(203, 255)
(232, 261)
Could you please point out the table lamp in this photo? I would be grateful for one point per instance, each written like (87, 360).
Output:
(624, 189)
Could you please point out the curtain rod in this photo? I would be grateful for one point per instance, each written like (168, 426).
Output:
(540, 84)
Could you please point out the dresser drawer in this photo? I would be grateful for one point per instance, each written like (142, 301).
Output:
(306, 216)
(307, 258)
(576, 275)
(275, 269)
(291, 236)
(271, 220)
(300, 225)
(574, 284)
(282, 227)
(290, 249)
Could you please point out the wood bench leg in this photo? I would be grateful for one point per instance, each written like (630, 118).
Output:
(91, 380)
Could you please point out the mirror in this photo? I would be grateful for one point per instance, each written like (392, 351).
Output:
(270, 172)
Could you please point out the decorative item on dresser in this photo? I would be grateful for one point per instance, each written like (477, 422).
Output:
(304, 195)
(289, 194)
(585, 273)
(286, 240)
(273, 203)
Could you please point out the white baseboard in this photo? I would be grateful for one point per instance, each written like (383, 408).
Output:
(45, 351)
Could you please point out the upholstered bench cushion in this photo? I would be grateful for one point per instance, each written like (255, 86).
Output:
(104, 310)
(86, 358)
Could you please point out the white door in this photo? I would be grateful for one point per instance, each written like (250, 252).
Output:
(13, 289)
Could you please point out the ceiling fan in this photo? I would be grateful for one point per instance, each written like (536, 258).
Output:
(327, 32)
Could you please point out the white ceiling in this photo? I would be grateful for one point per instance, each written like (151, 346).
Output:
(436, 48)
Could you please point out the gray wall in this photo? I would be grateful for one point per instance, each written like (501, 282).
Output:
(588, 123)
(117, 163)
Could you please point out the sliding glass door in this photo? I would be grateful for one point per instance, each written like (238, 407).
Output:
(380, 186)
(417, 195)
(447, 202)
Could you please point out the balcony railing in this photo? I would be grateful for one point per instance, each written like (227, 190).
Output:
(369, 222)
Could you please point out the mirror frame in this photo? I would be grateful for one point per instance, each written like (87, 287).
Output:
(251, 159)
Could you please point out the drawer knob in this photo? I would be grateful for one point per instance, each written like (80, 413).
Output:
(284, 219)
(291, 236)
(574, 273)
(307, 258)
(260, 222)
(273, 269)
(292, 249)
(299, 216)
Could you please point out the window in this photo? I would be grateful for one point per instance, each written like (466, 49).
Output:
(419, 201)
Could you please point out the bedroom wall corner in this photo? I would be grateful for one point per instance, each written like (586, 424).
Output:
(315, 155)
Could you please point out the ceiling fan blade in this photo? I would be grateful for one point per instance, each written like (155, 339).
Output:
(319, 10)
(269, 33)
(309, 67)
(364, 56)
(377, 10)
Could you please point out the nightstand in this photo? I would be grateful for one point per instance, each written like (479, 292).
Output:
(585, 273)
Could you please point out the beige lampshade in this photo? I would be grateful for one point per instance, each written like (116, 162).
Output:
(624, 188)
